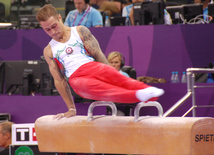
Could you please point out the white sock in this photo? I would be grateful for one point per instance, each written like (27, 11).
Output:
(148, 93)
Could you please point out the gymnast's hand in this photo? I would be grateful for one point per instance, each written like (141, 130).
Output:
(69, 113)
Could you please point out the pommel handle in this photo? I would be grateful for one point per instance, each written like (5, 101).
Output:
(148, 104)
(101, 103)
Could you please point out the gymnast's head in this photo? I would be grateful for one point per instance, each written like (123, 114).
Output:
(50, 21)
(46, 12)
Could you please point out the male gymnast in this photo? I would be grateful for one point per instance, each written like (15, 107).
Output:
(74, 56)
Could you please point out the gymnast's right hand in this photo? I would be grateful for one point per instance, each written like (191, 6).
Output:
(69, 113)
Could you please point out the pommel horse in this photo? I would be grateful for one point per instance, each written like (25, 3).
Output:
(126, 134)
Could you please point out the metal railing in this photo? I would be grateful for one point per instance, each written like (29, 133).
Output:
(190, 91)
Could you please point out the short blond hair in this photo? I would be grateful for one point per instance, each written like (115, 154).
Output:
(113, 55)
(46, 12)
(6, 127)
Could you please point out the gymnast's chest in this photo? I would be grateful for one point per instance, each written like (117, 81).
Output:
(67, 51)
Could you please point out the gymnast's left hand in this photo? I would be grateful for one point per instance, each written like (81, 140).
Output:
(67, 114)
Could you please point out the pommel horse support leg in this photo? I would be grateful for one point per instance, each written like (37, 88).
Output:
(126, 135)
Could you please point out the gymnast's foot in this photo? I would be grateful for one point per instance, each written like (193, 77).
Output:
(148, 93)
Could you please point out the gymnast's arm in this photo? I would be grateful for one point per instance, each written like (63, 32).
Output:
(91, 44)
(60, 83)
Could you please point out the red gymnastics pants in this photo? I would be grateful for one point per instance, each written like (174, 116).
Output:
(98, 81)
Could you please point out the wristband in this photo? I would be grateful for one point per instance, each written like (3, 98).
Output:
(72, 109)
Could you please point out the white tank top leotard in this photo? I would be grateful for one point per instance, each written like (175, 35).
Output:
(71, 55)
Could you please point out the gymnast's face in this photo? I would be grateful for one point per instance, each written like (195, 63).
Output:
(53, 27)
(116, 63)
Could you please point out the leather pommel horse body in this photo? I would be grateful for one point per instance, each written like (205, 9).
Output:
(126, 135)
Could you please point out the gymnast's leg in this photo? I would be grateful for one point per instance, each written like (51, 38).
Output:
(106, 83)
(98, 90)
(109, 75)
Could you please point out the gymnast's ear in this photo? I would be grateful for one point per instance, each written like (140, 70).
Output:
(60, 17)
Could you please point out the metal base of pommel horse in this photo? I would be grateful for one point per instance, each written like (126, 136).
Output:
(126, 134)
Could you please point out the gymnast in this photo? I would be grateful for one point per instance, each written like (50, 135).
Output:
(74, 56)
